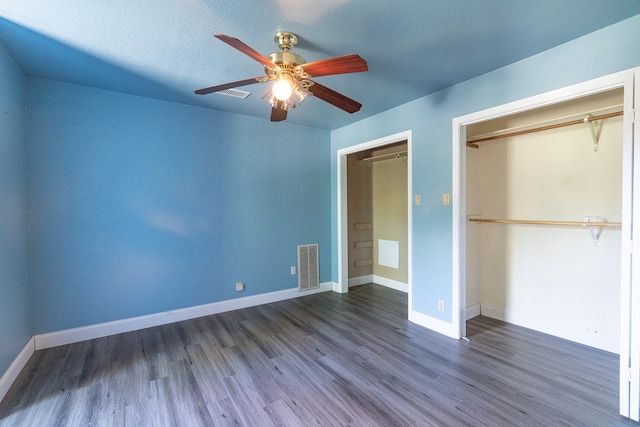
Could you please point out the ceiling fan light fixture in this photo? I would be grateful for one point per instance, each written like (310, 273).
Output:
(300, 94)
(276, 103)
(282, 89)
(291, 76)
(292, 90)
(270, 99)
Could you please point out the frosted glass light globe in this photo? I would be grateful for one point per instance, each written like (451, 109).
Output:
(281, 90)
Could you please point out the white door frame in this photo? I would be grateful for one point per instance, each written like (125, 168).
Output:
(629, 325)
(343, 231)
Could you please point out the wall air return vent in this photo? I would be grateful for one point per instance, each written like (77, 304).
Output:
(308, 275)
(234, 93)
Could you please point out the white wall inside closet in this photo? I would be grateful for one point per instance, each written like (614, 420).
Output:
(550, 278)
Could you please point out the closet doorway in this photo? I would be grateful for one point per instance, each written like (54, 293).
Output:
(377, 216)
(534, 181)
(525, 250)
(374, 213)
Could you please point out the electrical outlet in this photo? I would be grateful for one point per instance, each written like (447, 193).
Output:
(440, 305)
(239, 286)
(293, 270)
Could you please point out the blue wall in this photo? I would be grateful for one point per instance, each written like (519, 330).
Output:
(607, 51)
(15, 313)
(140, 206)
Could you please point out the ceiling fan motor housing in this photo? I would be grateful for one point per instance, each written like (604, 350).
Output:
(286, 41)
(286, 58)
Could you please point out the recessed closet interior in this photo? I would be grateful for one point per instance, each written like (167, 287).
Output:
(551, 272)
(377, 216)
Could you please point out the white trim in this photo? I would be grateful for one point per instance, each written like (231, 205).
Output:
(379, 280)
(360, 280)
(335, 287)
(628, 407)
(342, 238)
(436, 325)
(16, 367)
(630, 318)
(409, 221)
(472, 311)
(390, 283)
(458, 230)
(550, 328)
(100, 330)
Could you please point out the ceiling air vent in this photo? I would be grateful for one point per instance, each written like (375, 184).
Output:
(235, 93)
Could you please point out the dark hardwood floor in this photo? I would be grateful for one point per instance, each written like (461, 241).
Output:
(325, 359)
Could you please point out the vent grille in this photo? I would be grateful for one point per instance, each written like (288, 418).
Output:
(308, 275)
(234, 93)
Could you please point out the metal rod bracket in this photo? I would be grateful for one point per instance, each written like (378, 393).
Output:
(595, 230)
(596, 129)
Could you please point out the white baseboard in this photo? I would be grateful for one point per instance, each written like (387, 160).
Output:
(389, 283)
(361, 280)
(378, 280)
(565, 332)
(473, 311)
(432, 323)
(16, 367)
(335, 287)
(69, 336)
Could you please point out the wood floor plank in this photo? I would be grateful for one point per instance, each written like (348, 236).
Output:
(326, 360)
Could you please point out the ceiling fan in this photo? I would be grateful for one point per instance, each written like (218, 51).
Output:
(292, 76)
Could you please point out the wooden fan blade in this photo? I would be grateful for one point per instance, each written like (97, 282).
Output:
(218, 88)
(338, 65)
(278, 114)
(334, 98)
(247, 50)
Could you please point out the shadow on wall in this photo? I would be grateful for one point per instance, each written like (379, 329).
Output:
(33, 51)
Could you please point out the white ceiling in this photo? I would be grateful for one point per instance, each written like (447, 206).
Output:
(164, 49)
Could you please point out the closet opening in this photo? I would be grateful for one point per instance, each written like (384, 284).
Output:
(377, 216)
(374, 213)
(544, 212)
(543, 237)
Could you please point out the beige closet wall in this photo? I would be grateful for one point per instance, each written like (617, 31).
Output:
(390, 215)
(551, 277)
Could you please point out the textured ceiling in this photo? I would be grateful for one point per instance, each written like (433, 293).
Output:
(164, 49)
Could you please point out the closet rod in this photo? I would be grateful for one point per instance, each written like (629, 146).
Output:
(569, 223)
(474, 142)
(395, 155)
